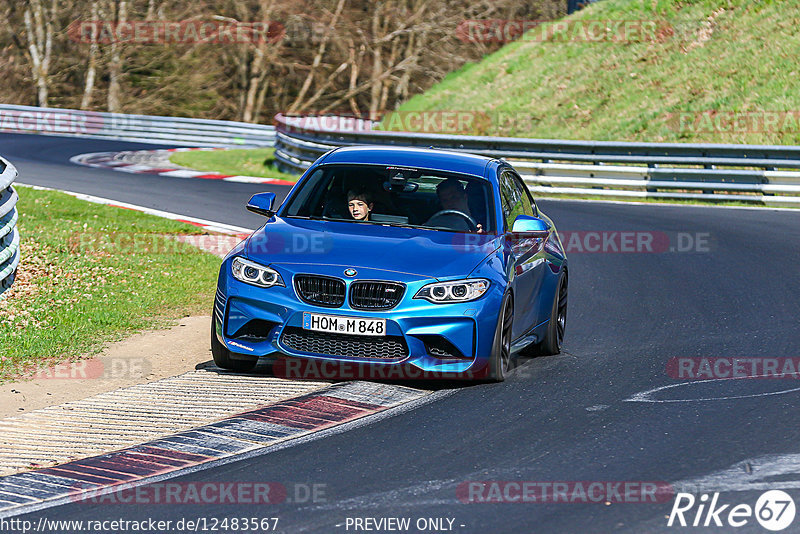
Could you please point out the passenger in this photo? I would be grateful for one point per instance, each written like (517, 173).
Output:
(452, 196)
(360, 204)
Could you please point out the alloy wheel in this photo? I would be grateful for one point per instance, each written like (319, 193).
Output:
(508, 321)
(561, 317)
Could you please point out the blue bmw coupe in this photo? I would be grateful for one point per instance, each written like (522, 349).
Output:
(436, 261)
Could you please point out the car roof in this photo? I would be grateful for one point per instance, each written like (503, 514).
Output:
(422, 158)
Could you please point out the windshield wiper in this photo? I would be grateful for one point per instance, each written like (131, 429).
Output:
(306, 217)
(400, 225)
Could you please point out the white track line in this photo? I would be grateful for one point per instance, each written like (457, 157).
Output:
(647, 396)
(203, 223)
(107, 160)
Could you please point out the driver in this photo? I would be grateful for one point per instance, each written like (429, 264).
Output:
(360, 204)
(452, 196)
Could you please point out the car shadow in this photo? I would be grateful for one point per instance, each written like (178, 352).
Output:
(281, 368)
(522, 368)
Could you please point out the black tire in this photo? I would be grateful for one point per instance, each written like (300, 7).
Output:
(222, 356)
(500, 360)
(554, 336)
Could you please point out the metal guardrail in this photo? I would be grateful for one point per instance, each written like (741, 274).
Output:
(141, 128)
(746, 173)
(712, 172)
(9, 235)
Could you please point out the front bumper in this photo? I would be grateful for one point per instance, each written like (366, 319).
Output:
(436, 338)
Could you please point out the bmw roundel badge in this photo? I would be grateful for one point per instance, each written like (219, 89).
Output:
(350, 272)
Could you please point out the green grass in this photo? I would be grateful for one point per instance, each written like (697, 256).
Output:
(635, 91)
(92, 274)
(240, 161)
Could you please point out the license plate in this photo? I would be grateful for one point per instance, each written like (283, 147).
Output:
(344, 325)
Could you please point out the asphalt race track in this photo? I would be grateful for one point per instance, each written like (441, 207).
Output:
(44, 161)
(563, 418)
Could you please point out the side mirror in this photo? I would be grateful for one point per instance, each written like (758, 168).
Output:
(261, 203)
(530, 227)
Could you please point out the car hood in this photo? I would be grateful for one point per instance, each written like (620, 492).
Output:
(423, 253)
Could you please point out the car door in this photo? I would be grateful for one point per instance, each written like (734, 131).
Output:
(526, 255)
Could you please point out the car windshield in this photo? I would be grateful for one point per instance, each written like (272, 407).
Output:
(396, 196)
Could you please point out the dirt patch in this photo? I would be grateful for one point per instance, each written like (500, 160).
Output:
(138, 359)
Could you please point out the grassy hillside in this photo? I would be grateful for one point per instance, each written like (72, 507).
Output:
(719, 71)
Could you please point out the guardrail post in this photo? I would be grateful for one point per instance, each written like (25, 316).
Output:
(650, 177)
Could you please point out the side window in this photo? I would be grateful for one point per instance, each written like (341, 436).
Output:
(528, 205)
(512, 199)
(307, 197)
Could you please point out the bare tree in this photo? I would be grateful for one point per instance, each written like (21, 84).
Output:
(39, 31)
(323, 45)
(253, 61)
(91, 69)
(354, 55)
(119, 9)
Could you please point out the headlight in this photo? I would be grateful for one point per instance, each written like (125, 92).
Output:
(455, 291)
(255, 274)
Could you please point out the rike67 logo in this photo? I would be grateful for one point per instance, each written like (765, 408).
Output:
(774, 510)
